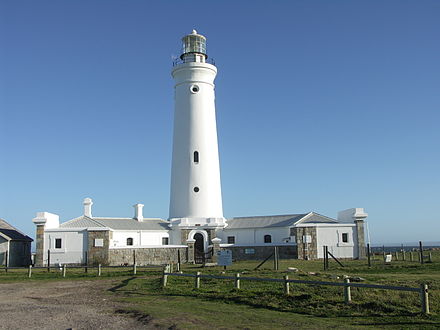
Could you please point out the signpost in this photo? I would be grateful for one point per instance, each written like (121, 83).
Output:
(224, 258)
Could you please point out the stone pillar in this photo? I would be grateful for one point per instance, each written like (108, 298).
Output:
(360, 233)
(39, 244)
(215, 248)
(190, 243)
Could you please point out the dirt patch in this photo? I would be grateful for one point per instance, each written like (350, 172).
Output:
(65, 305)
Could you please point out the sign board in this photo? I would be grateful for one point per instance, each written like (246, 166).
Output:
(224, 257)
(307, 239)
(388, 258)
(99, 242)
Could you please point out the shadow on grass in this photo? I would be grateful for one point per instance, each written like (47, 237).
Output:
(123, 283)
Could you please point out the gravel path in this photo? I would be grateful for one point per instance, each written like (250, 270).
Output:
(64, 305)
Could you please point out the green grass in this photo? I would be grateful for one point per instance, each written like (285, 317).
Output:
(263, 305)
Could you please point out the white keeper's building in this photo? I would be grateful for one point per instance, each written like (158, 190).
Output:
(196, 228)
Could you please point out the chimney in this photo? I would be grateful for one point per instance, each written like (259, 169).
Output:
(88, 207)
(138, 212)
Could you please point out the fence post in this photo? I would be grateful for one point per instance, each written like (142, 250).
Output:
(164, 276)
(410, 256)
(369, 255)
(134, 269)
(48, 261)
(430, 257)
(421, 252)
(30, 271)
(237, 281)
(197, 281)
(99, 270)
(424, 298)
(178, 260)
(64, 270)
(396, 254)
(403, 255)
(286, 285)
(347, 291)
(6, 261)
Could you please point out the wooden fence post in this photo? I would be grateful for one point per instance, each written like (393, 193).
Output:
(178, 260)
(99, 270)
(64, 270)
(30, 271)
(48, 261)
(421, 252)
(430, 257)
(134, 269)
(6, 261)
(410, 256)
(347, 291)
(197, 281)
(424, 298)
(286, 285)
(369, 255)
(403, 255)
(237, 281)
(165, 276)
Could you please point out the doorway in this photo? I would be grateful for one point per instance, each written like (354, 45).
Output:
(199, 249)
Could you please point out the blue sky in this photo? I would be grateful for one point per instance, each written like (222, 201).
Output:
(321, 106)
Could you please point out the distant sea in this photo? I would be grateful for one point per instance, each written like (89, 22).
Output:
(404, 246)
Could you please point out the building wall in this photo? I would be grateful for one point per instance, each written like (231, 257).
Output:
(140, 238)
(147, 255)
(306, 240)
(250, 236)
(3, 250)
(19, 253)
(98, 253)
(332, 237)
(261, 252)
(73, 247)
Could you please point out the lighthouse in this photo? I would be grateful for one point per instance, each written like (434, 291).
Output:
(196, 210)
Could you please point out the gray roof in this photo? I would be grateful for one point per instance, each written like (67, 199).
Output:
(271, 221)
(117, 223)
(12, 233)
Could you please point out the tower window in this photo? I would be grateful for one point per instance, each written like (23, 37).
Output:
(129, 241)
(345, 237)
(231, 239)
(196, 189)
(194, 89)
(267, 239)
(196, 157)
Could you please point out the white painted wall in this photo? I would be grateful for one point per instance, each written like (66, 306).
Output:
(250, 236)
(332, 237)
(140, 238)
(73, 247)
(195, 129)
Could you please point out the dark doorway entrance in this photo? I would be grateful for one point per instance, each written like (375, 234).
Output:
(199, 249)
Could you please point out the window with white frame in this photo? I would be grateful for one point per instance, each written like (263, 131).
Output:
(129, 241)
(231, 239)
(344, 237)
(165, 241)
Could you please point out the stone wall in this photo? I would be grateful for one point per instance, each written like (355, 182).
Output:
(147, 256)
(98, 254)
(261, 252)
(39, 244)
(360, 239)
(306, 251)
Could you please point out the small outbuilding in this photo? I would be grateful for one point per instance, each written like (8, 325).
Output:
(15, 247)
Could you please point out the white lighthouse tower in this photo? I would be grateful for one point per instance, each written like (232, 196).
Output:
(195, 202)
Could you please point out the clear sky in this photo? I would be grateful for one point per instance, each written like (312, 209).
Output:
(321, 106)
